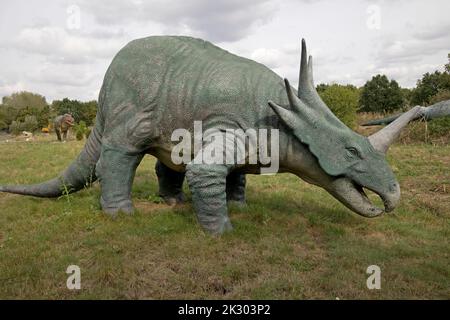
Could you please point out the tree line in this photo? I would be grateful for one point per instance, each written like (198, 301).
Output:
(27, 111)
(381, 95)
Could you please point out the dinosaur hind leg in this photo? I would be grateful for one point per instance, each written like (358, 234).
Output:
(236, 187)
(115, 170)
(170, 184)
(58, 134)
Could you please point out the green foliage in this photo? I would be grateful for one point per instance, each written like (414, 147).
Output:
(440, 96)
(19, 105)
(30, 124)
(447, 66)
(42, 115)
(3, 125)
(430, 85)
(441, 126)
(381, 95)
(80, 130)
(23, 99)
(407, 96)
(342, 100)
(87, 133)
(15, 127)
(81, 111)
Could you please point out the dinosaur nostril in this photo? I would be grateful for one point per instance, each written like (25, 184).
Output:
(393, 187)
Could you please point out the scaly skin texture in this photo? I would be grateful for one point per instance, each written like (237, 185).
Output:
(62, 124)
(156, 85)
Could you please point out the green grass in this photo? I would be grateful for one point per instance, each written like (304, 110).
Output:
(291, 241)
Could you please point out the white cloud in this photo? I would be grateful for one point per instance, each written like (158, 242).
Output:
(38, 53)
(220, 20)
(58, 44)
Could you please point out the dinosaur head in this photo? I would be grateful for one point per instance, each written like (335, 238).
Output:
(68, 119)
(349, 162)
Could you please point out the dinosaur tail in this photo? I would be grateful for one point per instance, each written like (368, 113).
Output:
(80, 173)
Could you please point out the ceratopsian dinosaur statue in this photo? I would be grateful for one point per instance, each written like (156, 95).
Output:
(156, 85)
(62, 124)
(437, 110)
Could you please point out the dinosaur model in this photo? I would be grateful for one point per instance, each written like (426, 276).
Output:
(159, 84)
(62, 124)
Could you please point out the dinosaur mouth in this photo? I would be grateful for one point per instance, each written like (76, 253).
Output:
(354, 196)
(366, 199)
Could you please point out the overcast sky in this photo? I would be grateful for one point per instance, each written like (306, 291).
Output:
(63, 48)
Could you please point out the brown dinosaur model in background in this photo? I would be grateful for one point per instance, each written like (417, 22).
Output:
(62, 124)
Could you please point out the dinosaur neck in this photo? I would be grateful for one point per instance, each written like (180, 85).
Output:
(286, 151)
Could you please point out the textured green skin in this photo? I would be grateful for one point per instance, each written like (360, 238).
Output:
(158, 84)
(62, 124)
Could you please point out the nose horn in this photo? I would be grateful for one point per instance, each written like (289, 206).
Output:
(382, 139)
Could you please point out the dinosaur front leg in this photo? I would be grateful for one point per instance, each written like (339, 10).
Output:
(64, 135)
(58, 134)
(236, 187)
(116, 169)
(170, 184)
(207, 183)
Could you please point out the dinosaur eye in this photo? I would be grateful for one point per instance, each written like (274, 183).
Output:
(353, 152)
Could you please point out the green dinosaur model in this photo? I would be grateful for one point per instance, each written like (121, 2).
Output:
(437, 110)
(157, 85)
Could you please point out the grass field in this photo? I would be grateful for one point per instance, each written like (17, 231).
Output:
(292, 240)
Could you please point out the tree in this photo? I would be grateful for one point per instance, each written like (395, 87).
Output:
(407, 96)
(81, 111)
(23, 99)
(19, 105)
(430, 85)
(381, 95)
(342, 100)
(447, 66)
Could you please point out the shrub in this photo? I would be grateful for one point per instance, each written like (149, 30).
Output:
(15, 127)
(19, 105)
(440, 96)
(87, 132)
(3, 125)
(342, 100)
(80, 130)
(30, 124)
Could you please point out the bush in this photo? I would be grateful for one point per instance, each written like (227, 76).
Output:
(435, 132)
(381, 95)
(429, 86)
(30, 124)
(342, 100)
(3, 125)
(87, 132)
(15, 127)
(81, 111)
(18, 106)
(440, 96)
(80, 130)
